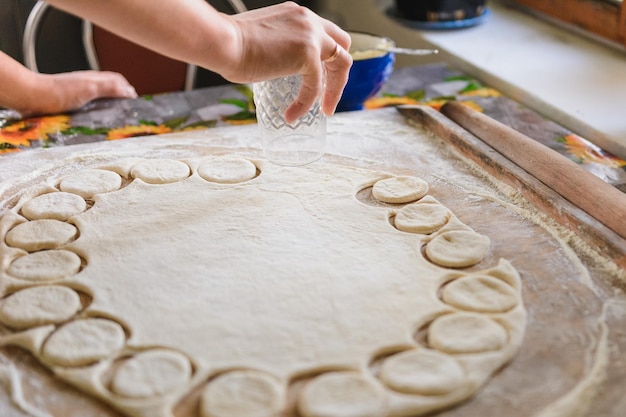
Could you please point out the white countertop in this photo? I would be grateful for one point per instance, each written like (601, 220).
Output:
(577, 82)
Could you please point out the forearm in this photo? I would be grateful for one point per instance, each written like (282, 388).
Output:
(18, 83)
(188, 30)
(31, 93)
(261, 44)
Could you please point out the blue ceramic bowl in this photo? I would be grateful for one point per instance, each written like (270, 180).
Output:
(370, 70)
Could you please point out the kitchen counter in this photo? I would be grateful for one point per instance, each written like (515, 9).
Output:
(575, 81)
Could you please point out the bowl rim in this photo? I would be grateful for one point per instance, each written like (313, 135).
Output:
(383, 39)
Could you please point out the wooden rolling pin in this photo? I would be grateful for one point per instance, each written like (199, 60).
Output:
(599, 199)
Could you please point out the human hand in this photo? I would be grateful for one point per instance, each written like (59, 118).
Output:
(57, 93)
(288, 39)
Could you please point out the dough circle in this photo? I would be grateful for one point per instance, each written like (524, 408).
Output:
(227, 170)
(36, 306)
(422, 372)
(422, 218)
(89, 182)
(48, 265)
(342, 394)
(82, 342)
(57, 206)
(458, 248)
(481, 293)
(398, 190)
(466, 333)
(243, 393)
(151, 373)
(41, 234)
(160, 171)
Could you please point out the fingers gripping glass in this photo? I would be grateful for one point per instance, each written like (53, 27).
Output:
(298, 143)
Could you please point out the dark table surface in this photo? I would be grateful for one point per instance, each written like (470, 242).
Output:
(434, 84)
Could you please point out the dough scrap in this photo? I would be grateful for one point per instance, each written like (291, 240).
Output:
(342, 394)
(36, 235)
(422, 218)
(151, 373)
(480, 293)
(48, 265)
(160, 171)
(466, 333)
(56, 205)
(458, 248)
(401, 189)
(82, 342)
(36, 306)
(422, 372)
(242, 393)
(227, 170)
(89, 182)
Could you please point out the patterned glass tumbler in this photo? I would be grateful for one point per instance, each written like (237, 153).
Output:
(290, 144)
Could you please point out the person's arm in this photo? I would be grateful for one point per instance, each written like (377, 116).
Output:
(261, 44)
(32, 93)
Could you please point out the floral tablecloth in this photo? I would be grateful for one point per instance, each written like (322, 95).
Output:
(433, 85)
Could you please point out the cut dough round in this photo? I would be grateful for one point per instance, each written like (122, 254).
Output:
(227, 170)
(41, 234)
(342, 394)
(89, 182)
(49, 304)
(151, 373)
(422, 218)
(458, 248)
(160, 171)
(481, 293)
(466, 333)
(422, 372)
(82, 342)
(46, 265)
(57, 206)
(242, 394)
(398, 190)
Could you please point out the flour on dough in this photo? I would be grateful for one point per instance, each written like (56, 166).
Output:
(90, 182)
(82, 342)
(422, 218)
(57, 206)
(227, 170)
(48, 265)
(401, 189)
(40, 305)
(160, 171)
(342, 394)
(466, 333)
(151, 373)
(458, 248)
(41, 234)
(481, 293)
(242, 393)
(422, 372)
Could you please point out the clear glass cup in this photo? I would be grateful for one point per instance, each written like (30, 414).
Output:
(291, 144)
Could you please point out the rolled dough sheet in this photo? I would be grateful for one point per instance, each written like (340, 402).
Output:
(282, 272)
